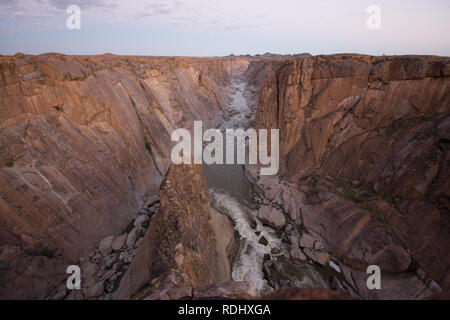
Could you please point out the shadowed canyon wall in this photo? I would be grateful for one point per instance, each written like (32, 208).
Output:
(366, 140)
(83, 142)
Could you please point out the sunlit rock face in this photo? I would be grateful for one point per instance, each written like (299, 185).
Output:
(83, 142)
(365, 140)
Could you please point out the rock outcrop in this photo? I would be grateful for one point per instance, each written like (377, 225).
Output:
(186, 245)
(272, 217)
(364, 146)
(103, 269)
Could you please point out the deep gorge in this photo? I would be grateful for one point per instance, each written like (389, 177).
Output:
(85, 146)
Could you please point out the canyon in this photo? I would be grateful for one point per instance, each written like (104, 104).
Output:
(86, 176)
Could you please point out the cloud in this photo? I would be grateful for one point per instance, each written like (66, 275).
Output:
(84, 4)
(357, 14)
(206, 14)
(159, 7)
(21, 9)
(18, 9)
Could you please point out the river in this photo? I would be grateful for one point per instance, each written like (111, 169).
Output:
(232, 194)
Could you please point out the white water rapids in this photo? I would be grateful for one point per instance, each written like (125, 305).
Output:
(231, 194)
(249, 260)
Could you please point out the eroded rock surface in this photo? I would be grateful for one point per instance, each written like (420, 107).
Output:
(364, 150)
(364, 179)
(84, 140)
(186, 243)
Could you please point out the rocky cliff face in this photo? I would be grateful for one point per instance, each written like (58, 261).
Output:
(83, 142)
(364, 145)
(186, 244)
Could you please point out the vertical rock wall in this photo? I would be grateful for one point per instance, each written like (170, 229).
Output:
(83, 142)
(365, 142)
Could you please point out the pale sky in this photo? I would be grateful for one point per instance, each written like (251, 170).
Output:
(222, 27)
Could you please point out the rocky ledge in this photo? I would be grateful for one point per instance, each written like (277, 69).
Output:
(323, 228)
(104, 268)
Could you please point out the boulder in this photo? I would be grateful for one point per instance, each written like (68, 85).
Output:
(288, 229)
(131, 239)
(268, 182)
(119, 242)
(110, 260)
(275, 251)
(307, 241)
(141, 221)
(61, 293)
(96, 290)
(286, 193)
(293, 239)
(321, 258)
(88, 273)
(297, 255)
(293, 210)
(325, 196)
(108, 274)
(105, 245)
(318, 245)
(272, 217)
(272, 194)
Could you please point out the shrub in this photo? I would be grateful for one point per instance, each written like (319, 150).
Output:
(148, 146)
(9, 163)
